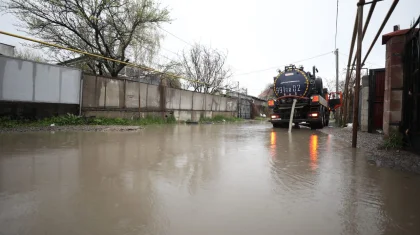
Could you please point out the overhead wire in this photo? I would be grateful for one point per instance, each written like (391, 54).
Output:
(176, 36)
(367, 62)
(169, 75)
(170, 51)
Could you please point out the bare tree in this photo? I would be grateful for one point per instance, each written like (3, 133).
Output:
(111, 28)
(207, 70)
(170, 73)
(27, 54)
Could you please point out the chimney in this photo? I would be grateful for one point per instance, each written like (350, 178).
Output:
(396, 27)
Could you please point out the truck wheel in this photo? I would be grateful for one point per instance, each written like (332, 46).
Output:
(323, 121)
(318, 125)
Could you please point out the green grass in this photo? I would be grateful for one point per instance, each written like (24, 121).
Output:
(220, 118)
(394, 141)
(261, 118)
(71, 120)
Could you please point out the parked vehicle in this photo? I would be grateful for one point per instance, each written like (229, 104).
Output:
(313, 102)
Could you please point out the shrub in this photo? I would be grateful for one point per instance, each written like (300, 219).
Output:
(394, 141)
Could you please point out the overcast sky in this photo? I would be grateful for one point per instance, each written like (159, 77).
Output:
(265, 34)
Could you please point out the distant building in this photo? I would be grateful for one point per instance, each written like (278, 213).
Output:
(267, 94)
(7, 50)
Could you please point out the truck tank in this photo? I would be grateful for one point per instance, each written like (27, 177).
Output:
(296, 82)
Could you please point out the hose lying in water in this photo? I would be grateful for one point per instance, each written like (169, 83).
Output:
(291, 115)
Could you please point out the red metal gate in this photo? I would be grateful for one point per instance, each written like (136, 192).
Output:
(376, 99)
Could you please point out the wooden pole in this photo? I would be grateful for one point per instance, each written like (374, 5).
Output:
(358, 70)
(346, 84)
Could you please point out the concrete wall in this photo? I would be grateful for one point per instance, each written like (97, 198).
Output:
(112, 97)
(393, 83)
(28, 81)
(132, 94)
(364, 104)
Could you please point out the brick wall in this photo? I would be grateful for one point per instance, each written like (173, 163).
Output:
(393, 82)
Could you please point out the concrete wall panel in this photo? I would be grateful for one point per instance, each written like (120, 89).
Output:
(198, 101)
(226, 114)
(209, 102)
(215, 103)
(70, 86)
(47, 77)
(89, 85)
(132, 94)
(113, 91)
(173, 98)
(101, 84)
(208, 114)
(16, 81)
(186, 100)
(231, 104)
(184, 115)
(223, 101)
(29, 81)
(153, 97)
(196, 115)
(143, 95)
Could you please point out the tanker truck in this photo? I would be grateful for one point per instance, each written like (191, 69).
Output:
(313, 102)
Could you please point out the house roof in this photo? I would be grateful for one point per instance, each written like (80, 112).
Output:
(386, 37)
(266, 93)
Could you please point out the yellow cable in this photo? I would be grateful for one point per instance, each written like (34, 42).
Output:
(102, 57)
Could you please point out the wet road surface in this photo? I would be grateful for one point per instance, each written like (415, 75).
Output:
(203, 179)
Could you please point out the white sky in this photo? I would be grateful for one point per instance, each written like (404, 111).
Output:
(270, 33)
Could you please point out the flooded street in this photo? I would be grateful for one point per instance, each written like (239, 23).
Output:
(202, 179)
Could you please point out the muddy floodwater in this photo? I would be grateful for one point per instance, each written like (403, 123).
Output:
(202, 179)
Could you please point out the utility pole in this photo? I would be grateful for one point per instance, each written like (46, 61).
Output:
(336, 70)
(239, 102)
(336, 114)
(358, 68)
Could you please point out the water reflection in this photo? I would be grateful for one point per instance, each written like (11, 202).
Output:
(273, 141)
(208, 179)
(313, 151)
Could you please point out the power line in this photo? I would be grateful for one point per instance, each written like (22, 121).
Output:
(167, 74)
(336, 26)
(262, 70)
(170, 51)
(176, 37)
(367, 62)
(147, 48)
